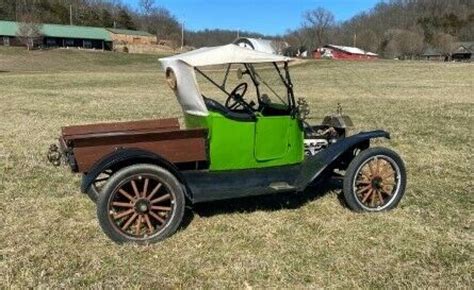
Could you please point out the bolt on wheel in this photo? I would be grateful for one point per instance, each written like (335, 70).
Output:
(375, 180)
(141, 203)
(141, 206)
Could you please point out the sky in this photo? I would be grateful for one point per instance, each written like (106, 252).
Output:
(267, 17)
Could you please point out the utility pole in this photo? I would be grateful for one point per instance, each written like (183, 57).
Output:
(70, 14)
(182, 35)
(238, 33)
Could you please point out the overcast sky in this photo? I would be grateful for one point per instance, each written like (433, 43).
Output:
(268, 17)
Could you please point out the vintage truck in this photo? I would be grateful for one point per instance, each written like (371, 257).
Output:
(142, 174)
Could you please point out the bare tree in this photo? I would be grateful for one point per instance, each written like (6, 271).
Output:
(29, 30)
(444, 43)
(318, 22)
(367, 40)
(147, 6)
(297, 41)
(165, 25)
(403, 43)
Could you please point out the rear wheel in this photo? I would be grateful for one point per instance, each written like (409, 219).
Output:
(141, 203)
(375, 180)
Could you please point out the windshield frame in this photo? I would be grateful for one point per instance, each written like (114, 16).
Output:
(254, 76)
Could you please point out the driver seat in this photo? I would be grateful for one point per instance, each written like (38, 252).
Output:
(215, 106)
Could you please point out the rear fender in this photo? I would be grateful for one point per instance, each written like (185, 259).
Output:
(315, 165)
(126, 157)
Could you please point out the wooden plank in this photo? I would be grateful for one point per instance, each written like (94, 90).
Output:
(72, 132)
(118, 138)
(174, 150)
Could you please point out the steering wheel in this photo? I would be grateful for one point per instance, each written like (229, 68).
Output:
(236, 97)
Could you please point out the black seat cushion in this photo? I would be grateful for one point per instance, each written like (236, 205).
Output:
(215, 106)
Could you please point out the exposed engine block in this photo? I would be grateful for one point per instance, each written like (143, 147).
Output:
(313, 146)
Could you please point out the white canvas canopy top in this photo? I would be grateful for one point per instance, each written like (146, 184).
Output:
(182, 66)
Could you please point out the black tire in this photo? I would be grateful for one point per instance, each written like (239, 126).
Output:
(93, 193)
(141, 204)
(96, 187)
(376, 189)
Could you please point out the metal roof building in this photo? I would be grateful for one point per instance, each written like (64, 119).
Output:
(129, 32)
(464, 51)
(342, 52)
(131, 37)
(57, 35)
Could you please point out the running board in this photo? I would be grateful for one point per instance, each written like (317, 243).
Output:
(281, 186)
(207, 186)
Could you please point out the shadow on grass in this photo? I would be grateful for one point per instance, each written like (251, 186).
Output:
(3, 71)
(271, 202)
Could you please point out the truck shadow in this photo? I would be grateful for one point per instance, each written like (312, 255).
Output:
(272, 202)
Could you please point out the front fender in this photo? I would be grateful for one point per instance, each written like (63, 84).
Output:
(313, 166)
(125, 157)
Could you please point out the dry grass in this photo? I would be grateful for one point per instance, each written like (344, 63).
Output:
(49, 232)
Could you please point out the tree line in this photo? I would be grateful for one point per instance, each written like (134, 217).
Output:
(101, 13)
(397, 28)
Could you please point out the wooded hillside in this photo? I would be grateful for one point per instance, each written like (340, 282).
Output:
(394, 28)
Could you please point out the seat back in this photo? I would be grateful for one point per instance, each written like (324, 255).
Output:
(215, 106)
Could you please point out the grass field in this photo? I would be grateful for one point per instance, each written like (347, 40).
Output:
(49, 235)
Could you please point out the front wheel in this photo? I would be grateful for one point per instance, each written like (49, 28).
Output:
(141, 204)
(375, 180)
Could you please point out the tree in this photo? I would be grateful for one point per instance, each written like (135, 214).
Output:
(125, 20)
(59, 13)
(147, 6)
(445, 43)
(106, 18)
(368, 40)
(164, 25)
(403, 43)
(296, 38)
(7, 10)
(29, 30)
(317, 24)
(147, 9)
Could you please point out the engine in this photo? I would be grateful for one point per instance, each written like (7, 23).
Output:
(313, 146)
(332, 129)
(317, 138)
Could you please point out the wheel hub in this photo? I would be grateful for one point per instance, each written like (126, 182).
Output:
(142, 206)
(377, 182)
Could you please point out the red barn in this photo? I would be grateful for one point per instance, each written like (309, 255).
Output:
(331, 51)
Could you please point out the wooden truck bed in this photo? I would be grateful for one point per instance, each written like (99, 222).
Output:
(89, 143)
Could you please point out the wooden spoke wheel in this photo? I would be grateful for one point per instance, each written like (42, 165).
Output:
(141, 203)
(375, 180)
